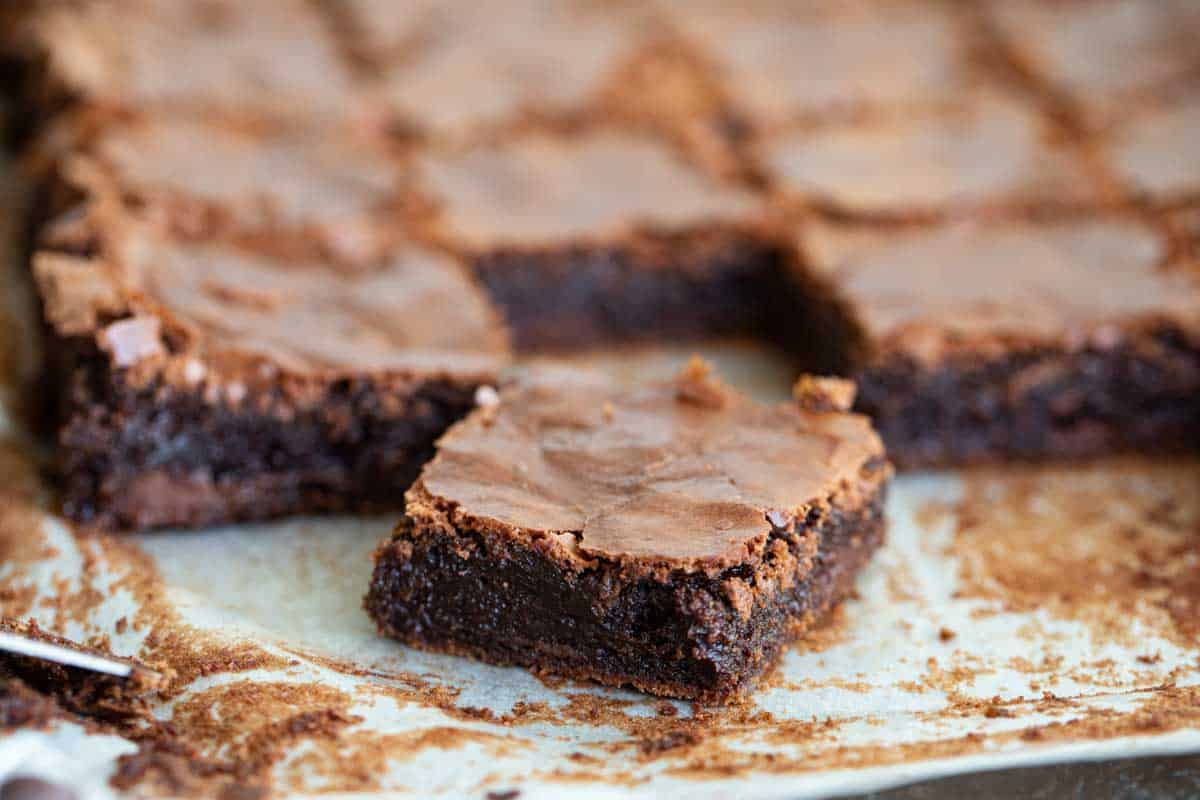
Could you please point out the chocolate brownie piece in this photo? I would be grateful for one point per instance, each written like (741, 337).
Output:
(1018, 339)
(987, 152)
(673, 538)
(1100, 55)
(205, 382)
(603, 235)
(1152, 147)
(449, 68)
(328, 191)
(784, 62)
(219, 55)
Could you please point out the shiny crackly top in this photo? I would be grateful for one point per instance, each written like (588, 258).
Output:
(226, 54)
(294, 176)
(920, 289)
(988, 150)
(541, 188)
(332, 187)
(783, 60)
(685, 471)
(459, 68)
(234, 311)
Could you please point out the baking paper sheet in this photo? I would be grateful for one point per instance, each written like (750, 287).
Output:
(1015, 616)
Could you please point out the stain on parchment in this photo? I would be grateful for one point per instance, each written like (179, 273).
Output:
(1115, 545)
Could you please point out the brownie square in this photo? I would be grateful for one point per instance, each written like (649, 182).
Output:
(1099, 55)
(314, 191)
(992, 151)
(1018, 339)
(602, 234)
(207, 382)
(220, 55)
(450, 68)
(673, 538)
(1152, 146)
(784, 62)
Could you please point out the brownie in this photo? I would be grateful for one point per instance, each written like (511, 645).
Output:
(208, 382)
(783, 62)
(602, 235)
(1098, 56)
(1017, 339)
(333, 191)
(986, 153)
(1152, 147)
(672, 537)
(450, 68)
(225, 56)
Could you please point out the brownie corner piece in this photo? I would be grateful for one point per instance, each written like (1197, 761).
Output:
(1018, 339)
(672, 538)
(204, 383)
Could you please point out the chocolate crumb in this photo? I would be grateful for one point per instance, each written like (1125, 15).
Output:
(505, 794)
(22, 707)
(695, 384)
(822, 395)
(672, 740)
(946, 635)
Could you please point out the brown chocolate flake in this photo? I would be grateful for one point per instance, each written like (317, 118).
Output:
(824, 395)
(696, 384)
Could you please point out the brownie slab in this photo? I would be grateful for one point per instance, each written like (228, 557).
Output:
(601, 235)
(205, 382)
(673, 538)
(1018, 339)
(607, 172)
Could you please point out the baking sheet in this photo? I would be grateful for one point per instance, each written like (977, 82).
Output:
(1015, 617)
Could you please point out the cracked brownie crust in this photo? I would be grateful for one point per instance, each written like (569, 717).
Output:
(1018, 339)
(673, 538)
(204, 382)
